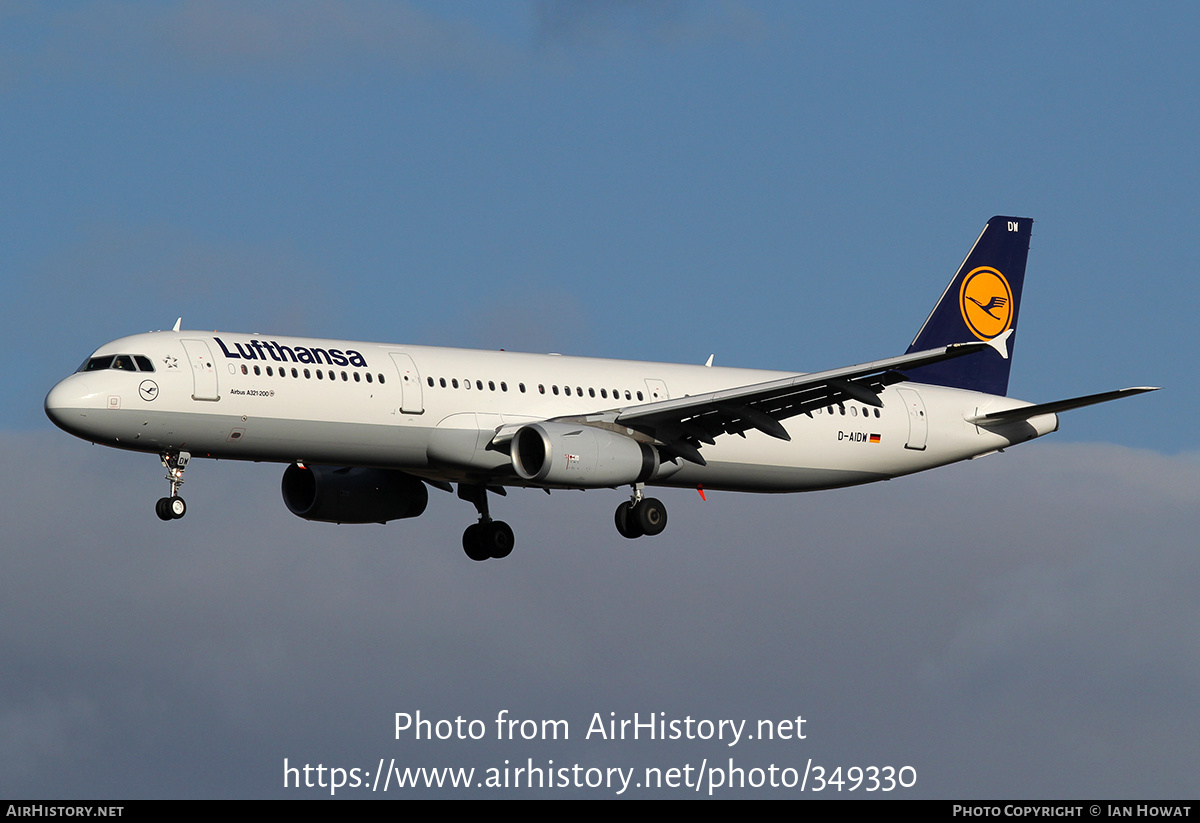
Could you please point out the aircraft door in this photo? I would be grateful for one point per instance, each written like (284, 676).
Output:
(411, 394)
(918, 422)
(656, 390)
(204, 373)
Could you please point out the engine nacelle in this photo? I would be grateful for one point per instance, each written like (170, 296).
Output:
(352, 495)
(579, 456)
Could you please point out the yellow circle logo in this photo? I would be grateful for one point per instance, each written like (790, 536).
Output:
(985, 301)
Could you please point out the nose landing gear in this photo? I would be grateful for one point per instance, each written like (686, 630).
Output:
(173, 507)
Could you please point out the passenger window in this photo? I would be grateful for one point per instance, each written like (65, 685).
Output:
(257, 371)
(639, 395)
(294, 372)
(442, 382)
(345, 379)
(555, 390)
(604, 393)
(491, 386)
(319, 377)
(244, 369)
(270, 373)
(591, 392)
(503, 386)
(430, 380)
(307, 376)
(454, 382)
(368, 377)
(381, 378)
(521, 386)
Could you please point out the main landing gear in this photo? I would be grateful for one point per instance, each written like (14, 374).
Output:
(488, 538)
(640, 515)
(173, 507)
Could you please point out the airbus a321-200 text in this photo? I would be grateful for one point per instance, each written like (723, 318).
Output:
(366, 428)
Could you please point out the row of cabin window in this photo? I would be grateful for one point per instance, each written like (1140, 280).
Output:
(853, 410)
(282, 372)
(566, 390)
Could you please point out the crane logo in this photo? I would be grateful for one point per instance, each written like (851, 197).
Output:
(985, 300)
(148, 390)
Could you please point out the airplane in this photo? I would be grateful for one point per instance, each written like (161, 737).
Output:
(366, 428)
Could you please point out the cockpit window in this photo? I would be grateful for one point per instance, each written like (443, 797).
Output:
(123, 362)
(97, 363)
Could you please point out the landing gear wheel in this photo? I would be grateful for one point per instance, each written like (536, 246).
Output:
(473, 543)
(651, 516)
(498, 538)
(173, 507)
(627, 522)
(488, 538)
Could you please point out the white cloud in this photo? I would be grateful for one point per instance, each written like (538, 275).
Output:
(1060, 640)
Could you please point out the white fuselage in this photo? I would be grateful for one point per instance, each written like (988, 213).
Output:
(432, 412)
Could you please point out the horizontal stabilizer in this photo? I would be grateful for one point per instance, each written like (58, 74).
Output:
(1026, 412)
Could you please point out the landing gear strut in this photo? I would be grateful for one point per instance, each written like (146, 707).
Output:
(640, 515)
(173, 507)
(488, 538)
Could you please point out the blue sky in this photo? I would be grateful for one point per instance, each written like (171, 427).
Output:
(788, 186)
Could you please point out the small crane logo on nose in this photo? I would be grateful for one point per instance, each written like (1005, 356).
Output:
(148, 390)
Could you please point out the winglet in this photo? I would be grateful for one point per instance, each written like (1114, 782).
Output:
(1000, 343)
(178, 323)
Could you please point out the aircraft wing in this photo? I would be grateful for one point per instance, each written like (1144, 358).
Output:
(683, 423)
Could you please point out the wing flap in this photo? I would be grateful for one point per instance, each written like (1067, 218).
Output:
(683, 423)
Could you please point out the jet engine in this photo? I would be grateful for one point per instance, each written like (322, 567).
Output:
(580, 456)
(352, 495)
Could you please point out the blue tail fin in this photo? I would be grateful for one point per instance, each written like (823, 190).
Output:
(981, 303)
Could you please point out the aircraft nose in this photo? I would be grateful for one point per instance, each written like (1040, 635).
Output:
(68, 401)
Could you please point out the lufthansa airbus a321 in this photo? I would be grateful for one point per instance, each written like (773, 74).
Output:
(366, 428)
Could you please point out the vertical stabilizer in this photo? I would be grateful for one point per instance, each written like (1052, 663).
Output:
(982, 302)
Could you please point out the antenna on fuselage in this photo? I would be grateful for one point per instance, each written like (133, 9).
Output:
(177, 324)
(708, 363)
